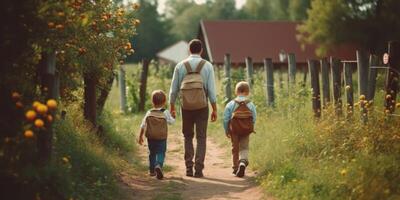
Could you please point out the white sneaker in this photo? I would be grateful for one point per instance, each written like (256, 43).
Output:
(242, 169)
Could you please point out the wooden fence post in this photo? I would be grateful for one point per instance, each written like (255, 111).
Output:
(392, 76)
(280, 75)
(325, 82)
(218, 67)
(316, 97)
(362, 69)
(249, 69)
(122, 89)
(292, 69)
(143, 84)
(227, 74)
(336, 79)
(305, 76)
(373, 73)
(348, 79)
(269, 75)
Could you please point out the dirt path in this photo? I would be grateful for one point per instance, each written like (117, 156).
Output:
(218, 182)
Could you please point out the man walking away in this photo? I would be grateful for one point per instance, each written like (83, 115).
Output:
(194, 80)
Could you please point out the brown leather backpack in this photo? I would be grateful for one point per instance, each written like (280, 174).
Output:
(156, 125)
(242, 119)
(193, 95)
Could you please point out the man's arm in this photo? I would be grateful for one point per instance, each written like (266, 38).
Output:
(212, 93)
(173, 92)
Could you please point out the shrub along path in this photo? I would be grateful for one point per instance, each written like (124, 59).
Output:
(218, 182)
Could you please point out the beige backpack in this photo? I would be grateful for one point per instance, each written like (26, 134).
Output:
(193, 95)
(156, 125)
(241, 122)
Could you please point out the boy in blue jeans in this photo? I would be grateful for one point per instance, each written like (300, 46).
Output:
(239, 119)
(155, 127)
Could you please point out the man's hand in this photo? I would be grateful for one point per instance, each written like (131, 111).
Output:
(213, 116)
(172, 111)
(228, 135)
(214, 112)
(140, 141)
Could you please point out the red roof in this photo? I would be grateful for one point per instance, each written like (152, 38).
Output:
(258, 40)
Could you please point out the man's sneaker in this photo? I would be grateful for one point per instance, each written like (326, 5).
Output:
(242, 169)
(152, 173)
(198, 174)
(189, 172)
(159, 172)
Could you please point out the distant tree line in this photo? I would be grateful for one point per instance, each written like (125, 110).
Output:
(366, 23)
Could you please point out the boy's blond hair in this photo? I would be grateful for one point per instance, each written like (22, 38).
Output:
(242, 87)
(158, 97)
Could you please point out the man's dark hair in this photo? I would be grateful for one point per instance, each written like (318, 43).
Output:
(195, 46)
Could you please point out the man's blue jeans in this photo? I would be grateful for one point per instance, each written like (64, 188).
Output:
(157, 150)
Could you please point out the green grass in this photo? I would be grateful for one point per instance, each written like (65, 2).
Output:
(300, 157)
(332, 158)
(94, 158)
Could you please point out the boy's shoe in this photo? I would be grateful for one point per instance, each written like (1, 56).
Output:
(234, 172)
(152, 173)
(198, 174)
(242, 169)
(159, 173)
(189, 172)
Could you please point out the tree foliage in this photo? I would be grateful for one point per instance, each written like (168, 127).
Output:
(87, 38)
(276, 9)
(152, 34)
(368, 24)
(186, 15)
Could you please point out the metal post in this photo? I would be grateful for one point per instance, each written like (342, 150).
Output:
(227, 74)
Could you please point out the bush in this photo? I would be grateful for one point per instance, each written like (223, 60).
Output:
(331, 158)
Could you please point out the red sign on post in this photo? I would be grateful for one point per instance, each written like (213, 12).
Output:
(385, 58)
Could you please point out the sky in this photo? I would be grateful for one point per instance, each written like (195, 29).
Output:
(161, 4)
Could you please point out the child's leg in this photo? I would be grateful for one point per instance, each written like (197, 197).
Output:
(244, 149)
(152, 154)
(161, 149)
(235, 151)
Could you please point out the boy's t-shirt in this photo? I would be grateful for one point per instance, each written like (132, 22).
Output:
(231, 107)
(168, 117)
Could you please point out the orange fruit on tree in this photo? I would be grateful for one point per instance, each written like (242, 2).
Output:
(51, 24)
(39, 123)
(28, 134)
(35, 104)
(15, 95)
(42, 109)
(19, 104)
(30, 115)
(135, 6)
(59, 26)
(51, 104)
(49, 118)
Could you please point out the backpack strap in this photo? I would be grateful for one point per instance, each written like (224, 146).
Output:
(200, 66)
(188, 67)
(240, 102)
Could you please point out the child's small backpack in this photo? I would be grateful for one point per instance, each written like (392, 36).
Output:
(193, 95)
(241, 122)
(156, 125)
